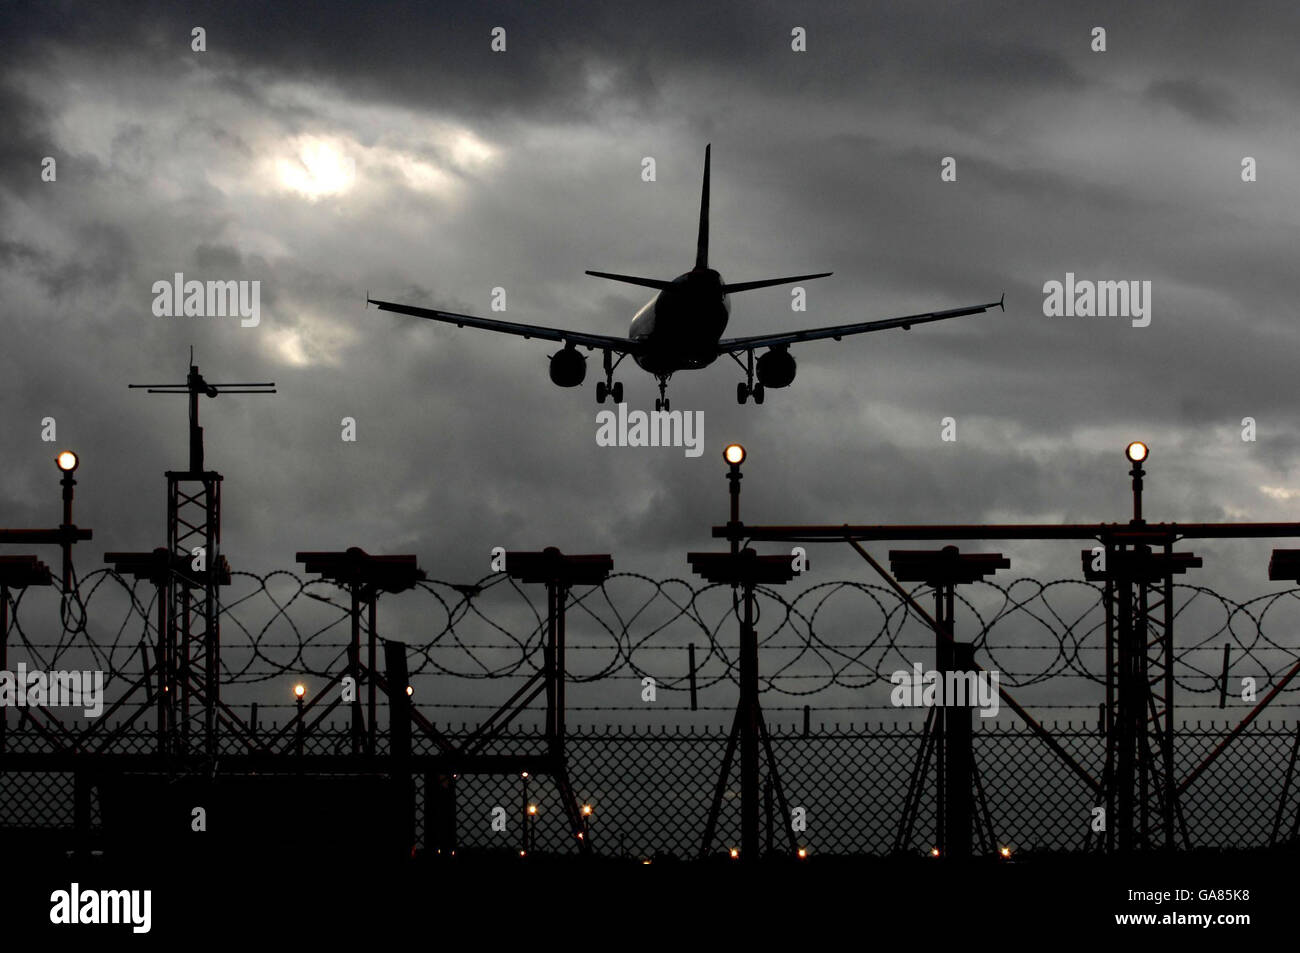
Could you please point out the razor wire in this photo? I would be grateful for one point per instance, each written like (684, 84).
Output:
(1033, 632)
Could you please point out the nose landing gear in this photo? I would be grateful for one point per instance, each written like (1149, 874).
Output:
(661, 402)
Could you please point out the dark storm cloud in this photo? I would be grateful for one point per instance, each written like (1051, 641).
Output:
(1201, 101)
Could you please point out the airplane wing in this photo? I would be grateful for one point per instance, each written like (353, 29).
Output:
(732, 345)
(603, 341)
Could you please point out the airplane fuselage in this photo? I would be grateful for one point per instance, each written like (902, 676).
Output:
(679, 328)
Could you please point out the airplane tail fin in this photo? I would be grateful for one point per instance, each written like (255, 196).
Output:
(702, 243)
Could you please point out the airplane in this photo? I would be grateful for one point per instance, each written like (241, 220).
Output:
(681, 328)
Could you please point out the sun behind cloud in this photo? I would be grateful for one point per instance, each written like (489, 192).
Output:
(316, 168)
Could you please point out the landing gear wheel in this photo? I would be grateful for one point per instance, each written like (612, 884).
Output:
(600, 392)
(667, 404)
(617, 392)
(742, 392)
(659, 403)
(758, 393)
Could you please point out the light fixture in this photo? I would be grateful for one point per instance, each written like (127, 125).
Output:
(409, 691)
(586, 810)
(734, 454)
(67, 461)
(934, 852)
(1136, 451)
(1004, 851)
(734, 853)
(803, 852)
(532, 808)
(299, 690)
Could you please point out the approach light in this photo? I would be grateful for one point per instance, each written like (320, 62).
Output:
(734, 853)
(1136, 451)
(803, 852)
(586, 810)
(734, 454)
(1004, 851)
(299, 690)
(934, 852)
(532, 808)
(409, 691)
(67, 461)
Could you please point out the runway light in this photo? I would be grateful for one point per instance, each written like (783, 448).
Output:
(1004, 851)
(532, 808)
(803, 852)
(524, 775)
(645, 862)
(734, 853)
(523, 853)
(409, 691)
(586, 810)
(67, 461)
(299, 690)
(734, 454)
(934, 852)
(1136, 451)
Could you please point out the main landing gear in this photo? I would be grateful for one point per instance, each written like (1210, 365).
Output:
(609, 387)
(661, 402)
(747, 388)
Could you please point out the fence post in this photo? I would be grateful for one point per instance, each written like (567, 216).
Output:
(399, 743)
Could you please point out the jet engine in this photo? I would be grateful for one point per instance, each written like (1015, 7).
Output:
(568, 367)
(776, 368)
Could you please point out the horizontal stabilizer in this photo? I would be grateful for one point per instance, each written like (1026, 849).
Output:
(633, 280)
(769, 282)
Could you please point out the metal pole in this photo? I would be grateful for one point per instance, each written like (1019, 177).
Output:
(1126, 773)
(961, 762)
(372, 597)
(734, 477)
(561, 599)
(749, 731)
(1137, 473)
(354, 664)
(940, 713)
(68, 483)
(548, 666)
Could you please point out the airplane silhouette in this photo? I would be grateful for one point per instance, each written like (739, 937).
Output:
(681, 327)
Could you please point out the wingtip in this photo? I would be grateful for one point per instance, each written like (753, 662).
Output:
(1002, 301)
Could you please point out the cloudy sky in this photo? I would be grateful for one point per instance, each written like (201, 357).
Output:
(333, 149)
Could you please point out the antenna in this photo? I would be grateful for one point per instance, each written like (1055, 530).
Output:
(195, 386)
